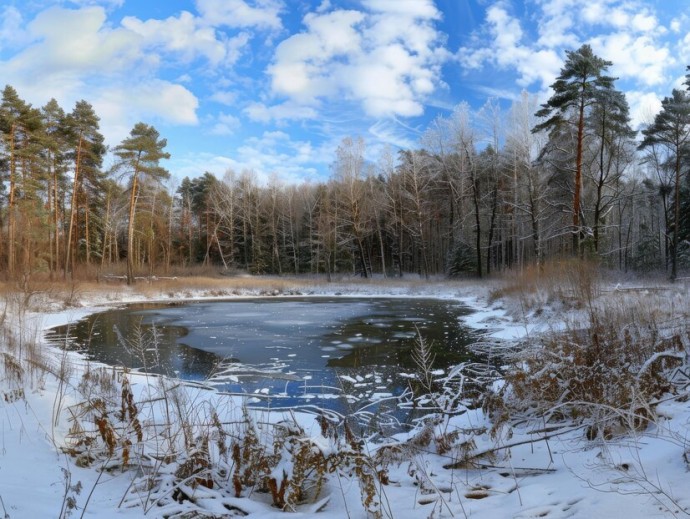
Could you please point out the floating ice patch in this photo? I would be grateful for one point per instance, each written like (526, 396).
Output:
(327, 348)
(345, 346)
(288, 323)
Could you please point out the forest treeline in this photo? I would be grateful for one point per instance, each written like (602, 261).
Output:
(487, 190)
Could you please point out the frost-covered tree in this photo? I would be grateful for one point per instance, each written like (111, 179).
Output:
(671, 129)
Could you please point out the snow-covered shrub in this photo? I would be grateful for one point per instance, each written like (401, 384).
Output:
(605, 375)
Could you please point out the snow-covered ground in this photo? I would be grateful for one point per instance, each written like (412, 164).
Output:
(533, 471)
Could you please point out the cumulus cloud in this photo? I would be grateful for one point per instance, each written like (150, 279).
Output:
(68, 40)
(418, 9)
(636, 57)
(385, 58)
(510, 49)
(81, 50)
(156, 100)
(626, 32)
(188, 38)
(264, 14)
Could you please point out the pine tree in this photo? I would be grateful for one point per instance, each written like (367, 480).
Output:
(140, 154)
(87, 150)
(19, 123)
(55, 142)
(575, 90)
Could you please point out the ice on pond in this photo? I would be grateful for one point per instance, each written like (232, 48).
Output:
(273, 342)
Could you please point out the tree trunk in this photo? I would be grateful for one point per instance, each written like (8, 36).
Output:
(12, 217)
(676, 222)
(73, 210)
(578, 179)
(130, 226)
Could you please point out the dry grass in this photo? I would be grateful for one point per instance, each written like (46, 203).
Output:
(567, 283)
(608, 366)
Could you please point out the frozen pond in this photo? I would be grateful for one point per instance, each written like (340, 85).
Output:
(293, 351)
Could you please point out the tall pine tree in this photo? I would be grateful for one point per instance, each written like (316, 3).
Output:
(575, 90)
(140, 154)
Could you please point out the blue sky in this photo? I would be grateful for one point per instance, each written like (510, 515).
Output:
(273, 86)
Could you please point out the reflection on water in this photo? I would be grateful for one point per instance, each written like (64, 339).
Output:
(300, 350)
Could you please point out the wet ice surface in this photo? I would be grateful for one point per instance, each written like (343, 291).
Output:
(294, 350)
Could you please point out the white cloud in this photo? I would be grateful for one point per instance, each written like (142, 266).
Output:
(386, 58)
(105, 3)
(626, 32)
(155, 101)
(410, 8)
(510, 50)
(12, 33)
(269, 156)
(260, 112)
(324, 6)
(80, 54)
(636, 57)
(683, 48)
(676, 25)
(224, 97)
(186, 37)
(302, 62)
(76, 41)
(643, 107)
(265, 14)
(226, 124)
(387, 131)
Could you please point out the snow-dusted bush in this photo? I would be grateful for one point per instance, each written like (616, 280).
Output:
(604, 375)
